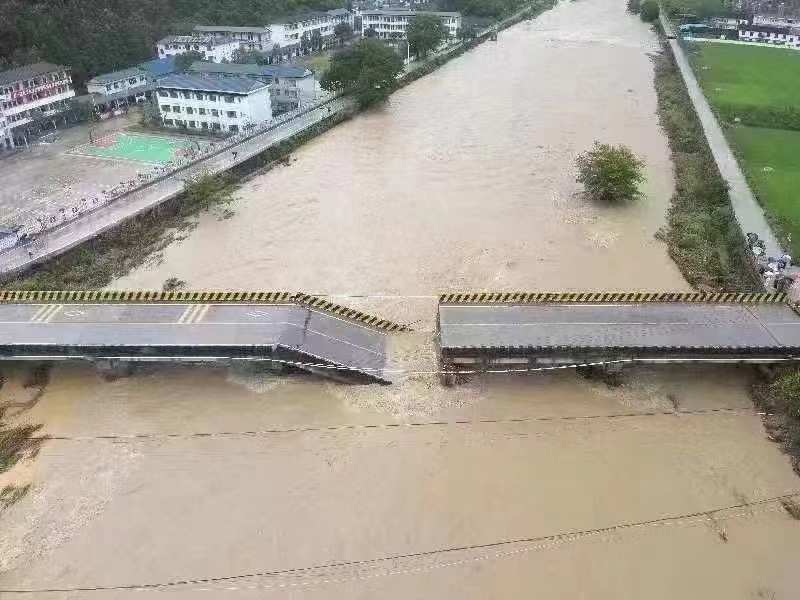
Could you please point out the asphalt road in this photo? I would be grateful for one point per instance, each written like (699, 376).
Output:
(243, 328)
(646, 325)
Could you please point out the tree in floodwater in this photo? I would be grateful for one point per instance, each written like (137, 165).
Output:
(368, 70)
(610, 173)
(425, 33)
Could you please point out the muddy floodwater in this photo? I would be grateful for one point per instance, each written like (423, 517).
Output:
(463, 182)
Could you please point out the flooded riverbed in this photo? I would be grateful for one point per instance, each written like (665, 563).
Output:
(464, 182)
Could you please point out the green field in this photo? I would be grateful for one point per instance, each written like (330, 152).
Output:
(756, 90)
(771, 161)
(754, 76)
(141, 148)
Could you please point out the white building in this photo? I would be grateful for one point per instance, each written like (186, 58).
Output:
(218, 104)
(290, 31)
(767, 34)
(251, 38)
(30, 91)
(214, 49)
(289, 86)
(391, 23)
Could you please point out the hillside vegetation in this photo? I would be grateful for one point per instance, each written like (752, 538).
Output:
(98, 36)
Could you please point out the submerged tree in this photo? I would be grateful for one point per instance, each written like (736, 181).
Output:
(610, 173)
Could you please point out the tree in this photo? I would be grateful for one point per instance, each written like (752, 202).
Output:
(185, 60)
(305, 43)
(316, 40)
(368, 70)
(343, 32)
(610, 173)
(149, 115)
(466, 33)
(425, 33)
(243, 56)
(370, 33)
(648, 11)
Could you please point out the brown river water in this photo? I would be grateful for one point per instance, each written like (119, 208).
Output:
(463, 182)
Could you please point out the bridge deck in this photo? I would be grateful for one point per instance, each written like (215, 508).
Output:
(182, 331)
(649, 327)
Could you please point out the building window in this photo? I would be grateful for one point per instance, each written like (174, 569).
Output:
(203, 124)
(231, 114)
(229, 99)
(173, 94)
(169, 122)
(192, 125)
(215, 126)
(187, 95)
(234, 128)
(214, 112)
(201, 111)
(212, 98)
(189, 110)
(176, 108)
(165, 108)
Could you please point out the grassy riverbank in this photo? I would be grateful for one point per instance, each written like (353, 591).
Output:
(139, 240)
(702, 234)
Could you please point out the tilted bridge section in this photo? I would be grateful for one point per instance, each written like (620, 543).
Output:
(115, 329)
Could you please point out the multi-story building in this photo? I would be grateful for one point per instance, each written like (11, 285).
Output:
(390, 23)
(252, 38)
(214, 49)
(213, 103)
(40, 89)
(289, 86)
(111, 90)
(291, 31)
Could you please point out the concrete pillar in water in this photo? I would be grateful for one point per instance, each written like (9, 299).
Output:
(113, 367)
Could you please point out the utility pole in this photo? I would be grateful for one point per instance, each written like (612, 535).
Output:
(92, 115)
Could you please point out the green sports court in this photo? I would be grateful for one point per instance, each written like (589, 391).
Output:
(137, 147)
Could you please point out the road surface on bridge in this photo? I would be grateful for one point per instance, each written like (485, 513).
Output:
(179, 331)
(651, 326)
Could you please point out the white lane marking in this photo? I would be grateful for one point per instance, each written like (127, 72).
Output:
(37, 315)
(200, 314)
(43, 315)
(73, 313)
(187, 314)
(53, 313)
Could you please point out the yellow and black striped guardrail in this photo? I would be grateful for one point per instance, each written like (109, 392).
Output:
(136, 296)
(540, 297)
(349, 313)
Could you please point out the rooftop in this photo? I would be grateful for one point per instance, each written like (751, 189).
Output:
(159, 67)
(249, 69)
(28, 71)
(210, 28)
(118, 75)
(335, 12)
(196, 39)
(233, 85)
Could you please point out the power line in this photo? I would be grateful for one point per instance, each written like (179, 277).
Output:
(350, 427)
(422, 554)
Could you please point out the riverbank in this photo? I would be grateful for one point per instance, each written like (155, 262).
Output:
(138, 240)
(702, 234)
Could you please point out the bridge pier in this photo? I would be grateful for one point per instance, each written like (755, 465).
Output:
(113, 367)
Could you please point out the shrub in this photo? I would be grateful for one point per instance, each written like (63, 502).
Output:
(785, 391)
(648, 11)
(634, 6)
(610, 173)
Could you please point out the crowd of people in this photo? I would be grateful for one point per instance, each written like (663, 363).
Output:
(774, 270)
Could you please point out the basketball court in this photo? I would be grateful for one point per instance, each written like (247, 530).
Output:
(149, 149)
